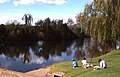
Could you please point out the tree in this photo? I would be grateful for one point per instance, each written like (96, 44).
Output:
(101, 19)
(39, 23)
(12, 22)
(47, 21)
(28, 19)
(70, 21)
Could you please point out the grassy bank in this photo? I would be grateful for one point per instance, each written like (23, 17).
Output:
(113, 70)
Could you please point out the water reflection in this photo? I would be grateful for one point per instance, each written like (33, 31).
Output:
(28, 56)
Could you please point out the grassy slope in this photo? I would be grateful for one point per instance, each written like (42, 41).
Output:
(113, 70)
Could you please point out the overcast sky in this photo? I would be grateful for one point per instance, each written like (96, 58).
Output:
(40, 9)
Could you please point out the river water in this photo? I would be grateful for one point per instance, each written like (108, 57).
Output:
(27, 56)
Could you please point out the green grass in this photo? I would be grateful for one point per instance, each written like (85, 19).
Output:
(113, 70)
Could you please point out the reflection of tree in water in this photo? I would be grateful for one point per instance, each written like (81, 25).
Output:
(75, 49)
(53, 48)
(78, 54)
(95, 48)
(91, 48)
(68, 52)
(17, 51)
(41, 49)
(45, 49)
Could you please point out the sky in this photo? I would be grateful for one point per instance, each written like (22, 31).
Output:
(40, 9)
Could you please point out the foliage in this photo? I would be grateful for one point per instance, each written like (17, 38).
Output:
(43, 30)
(101, 20)
(55, 27)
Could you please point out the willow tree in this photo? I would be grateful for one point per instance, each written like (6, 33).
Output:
(101, 19)
(28, 19)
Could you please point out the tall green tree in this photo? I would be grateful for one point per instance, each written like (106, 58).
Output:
(101, 19)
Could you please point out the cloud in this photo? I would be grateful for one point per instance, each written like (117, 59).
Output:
(25, 2)
(5, 18)
(3, 1)
(22, 2)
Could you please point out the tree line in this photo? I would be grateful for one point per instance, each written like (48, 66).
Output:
(43, 30)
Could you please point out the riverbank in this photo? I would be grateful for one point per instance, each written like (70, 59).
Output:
(112, 59)
(43, 72)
